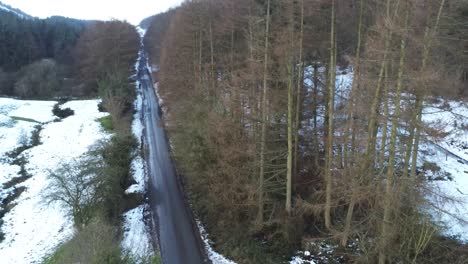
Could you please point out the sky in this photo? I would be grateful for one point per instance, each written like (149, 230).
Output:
(132, 11)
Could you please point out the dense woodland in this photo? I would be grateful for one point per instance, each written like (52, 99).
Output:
(272, 159)
(60, 58)
(41, 47)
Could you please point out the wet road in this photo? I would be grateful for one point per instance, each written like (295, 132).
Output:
(178, 236)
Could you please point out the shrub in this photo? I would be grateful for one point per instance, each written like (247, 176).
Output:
(96, 243)
(117, 157)
(106, 123)
(23, 139)
(101, 107)
(36, 136)
(62, 113)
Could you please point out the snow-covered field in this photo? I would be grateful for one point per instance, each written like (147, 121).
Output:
(33, 229)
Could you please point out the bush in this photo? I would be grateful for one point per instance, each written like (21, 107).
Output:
(62, 113)
(36, 136)
(106, 123)
(101, 107)
(117, 157)
(97, 243)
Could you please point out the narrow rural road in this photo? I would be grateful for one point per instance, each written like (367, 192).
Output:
(179, 237)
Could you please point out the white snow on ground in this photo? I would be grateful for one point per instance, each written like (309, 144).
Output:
(324, 252)
(11, 11)
(138, 172)
(138, 165)
(214, 256)
(137, 240)
(141, 31)
(32, 229)
(137, 124)
(343, 84)
(301, 258)
(11, 130)
(451, 155)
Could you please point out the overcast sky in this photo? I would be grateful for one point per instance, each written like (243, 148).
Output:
(131, 10)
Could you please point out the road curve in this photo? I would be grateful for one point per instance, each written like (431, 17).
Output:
(179, 237)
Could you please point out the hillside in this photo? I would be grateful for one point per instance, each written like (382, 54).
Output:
(19, 13)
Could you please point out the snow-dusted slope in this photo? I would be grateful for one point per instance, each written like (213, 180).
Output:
(15, 11)
(32, 229)
(450, 154)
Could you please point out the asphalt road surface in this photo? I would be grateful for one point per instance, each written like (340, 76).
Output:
(179, 237)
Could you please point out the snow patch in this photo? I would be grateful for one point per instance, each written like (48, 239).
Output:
(5, 8)
(215, 257)
(136, 240)
(301, 260)
(141, 31)
(138, 172)
(11, 130)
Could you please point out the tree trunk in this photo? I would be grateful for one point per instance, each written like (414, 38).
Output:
(290, 66)
(389, 185)
(420, 99)
(350, 126)
(385, 122)
(264, 121)
(331, 108)
(212, 71)
(372, 127)
(315, 147)
(300, 82)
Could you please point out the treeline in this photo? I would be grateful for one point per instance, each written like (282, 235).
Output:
(37, 52)
(106, 55)
(59, 57)
(92, 188)
(25, 40)
(274, 157)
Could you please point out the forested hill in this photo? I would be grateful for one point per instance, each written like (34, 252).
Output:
(37, 55)
(46, 58)
(5, 7)
(24, 39)
(300, 124)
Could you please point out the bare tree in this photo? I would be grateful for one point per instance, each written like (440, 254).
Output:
(74, 186)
